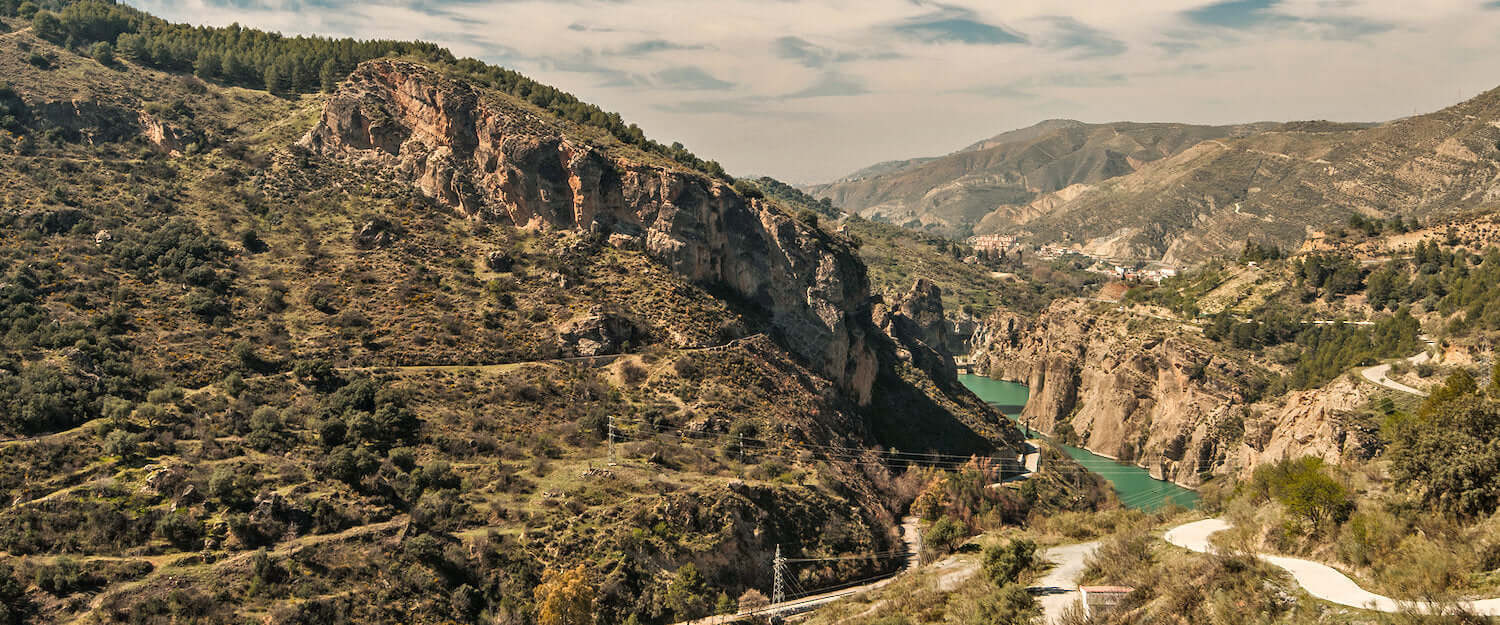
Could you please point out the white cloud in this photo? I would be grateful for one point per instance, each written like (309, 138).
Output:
(717, 76)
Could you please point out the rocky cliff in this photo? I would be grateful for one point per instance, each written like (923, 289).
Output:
(915, 322)
(1148, 391)
(493, 158)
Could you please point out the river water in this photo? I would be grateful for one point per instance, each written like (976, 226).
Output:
(1135, 487)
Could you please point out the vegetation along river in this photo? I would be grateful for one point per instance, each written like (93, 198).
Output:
(1135, 487)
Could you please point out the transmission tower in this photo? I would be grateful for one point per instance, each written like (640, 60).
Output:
(778, 588)
(611, 440)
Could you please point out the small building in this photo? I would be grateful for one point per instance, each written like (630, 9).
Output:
(1100, 600)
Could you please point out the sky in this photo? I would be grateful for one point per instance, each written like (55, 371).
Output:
(808, 91)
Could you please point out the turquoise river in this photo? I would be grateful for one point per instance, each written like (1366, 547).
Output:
(1133, 484)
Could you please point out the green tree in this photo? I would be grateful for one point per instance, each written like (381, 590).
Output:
(276, 81)
(208, 65)
(1003, 564)
(47, 26)
(945, 535)
(725, 605)
(1458, 384)
(103, 52)
(121, 444)
(1449, 455)
(687, 594)
(328, 75)
(1305, 489)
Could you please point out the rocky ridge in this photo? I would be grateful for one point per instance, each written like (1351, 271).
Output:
(493, 159)
(1143, 391)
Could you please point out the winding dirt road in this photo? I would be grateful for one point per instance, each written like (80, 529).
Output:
(1318, 579)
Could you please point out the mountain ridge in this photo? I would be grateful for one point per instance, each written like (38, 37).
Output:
(950, 194)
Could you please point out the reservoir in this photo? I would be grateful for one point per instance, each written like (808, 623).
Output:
(1135, 487)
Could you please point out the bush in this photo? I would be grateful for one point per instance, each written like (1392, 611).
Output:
(1003, 564)
(945, 535)
(633, 373)
(181, 530)
(121, 444)
(1305, 489)
(103, 53)
(1008, 605)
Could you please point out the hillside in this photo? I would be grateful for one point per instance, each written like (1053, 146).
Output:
(949, 195)
(355, 355)
(1276, 187)
(972, 284)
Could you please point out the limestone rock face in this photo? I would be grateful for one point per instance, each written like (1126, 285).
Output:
(494, 159)
(916, 323)
(1154, 394)
(598, 333)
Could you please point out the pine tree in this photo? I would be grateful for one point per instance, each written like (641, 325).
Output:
(276, 82)
(208, 65)
(328, 75)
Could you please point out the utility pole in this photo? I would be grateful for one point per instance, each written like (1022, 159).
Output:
(611, 440)
(778, 590)
(742, 447)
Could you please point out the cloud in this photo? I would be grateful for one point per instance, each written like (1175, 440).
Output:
(831, 84)
(690, 78)
(1002, 92)
(1263, 14)
(650, 46)
(1237, 14)
(802, 51)
(1084, 41)
(951, 24)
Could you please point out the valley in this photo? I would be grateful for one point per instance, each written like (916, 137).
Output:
(303, 329)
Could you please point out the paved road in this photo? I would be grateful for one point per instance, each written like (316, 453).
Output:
(1319, 580)
(1059, 587)
(1378, 373)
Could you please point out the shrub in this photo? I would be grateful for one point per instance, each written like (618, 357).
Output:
(565, 598)
(121, 444)
(181, 530)
(633, 373)
(1003, 564)
(1008, 605)
(945, 535)
(1305, 489)
(103, 53)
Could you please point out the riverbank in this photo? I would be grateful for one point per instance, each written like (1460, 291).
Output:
(1134, 486)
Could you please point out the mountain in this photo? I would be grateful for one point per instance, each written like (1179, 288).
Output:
(949, 195)
(362, 349)
(1277, 187)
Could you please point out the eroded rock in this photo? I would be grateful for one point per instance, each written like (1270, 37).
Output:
(492, 159)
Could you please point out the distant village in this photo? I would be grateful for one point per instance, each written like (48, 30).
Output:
(1003, 245)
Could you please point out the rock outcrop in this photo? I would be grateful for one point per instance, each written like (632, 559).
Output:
(598, 333)
(1148, 391)
(916, 324)
(492, 158)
